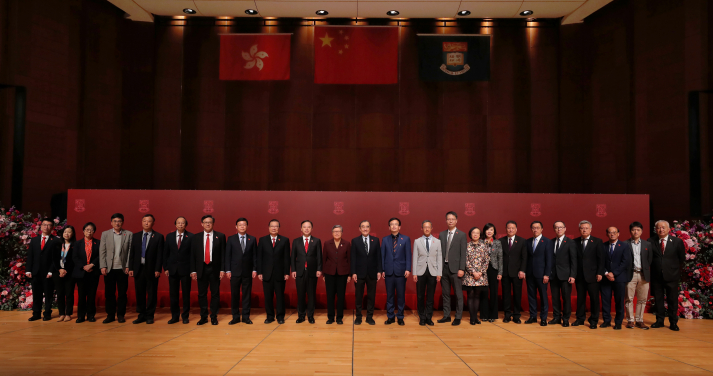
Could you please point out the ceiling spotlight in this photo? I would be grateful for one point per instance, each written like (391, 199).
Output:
(189, 11)
(322, 13)
(464, 13)
(392, 13)
(526, 12)
(251, 12)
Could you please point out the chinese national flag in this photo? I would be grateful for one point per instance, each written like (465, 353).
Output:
(356, 55)
(255, 57)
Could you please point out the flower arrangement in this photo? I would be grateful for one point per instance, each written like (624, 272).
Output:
(695, 299)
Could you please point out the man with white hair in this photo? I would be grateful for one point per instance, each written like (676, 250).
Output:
(590, 269)
(669, 256)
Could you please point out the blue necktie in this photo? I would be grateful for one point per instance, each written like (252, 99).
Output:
(143, 245)
(428, 249)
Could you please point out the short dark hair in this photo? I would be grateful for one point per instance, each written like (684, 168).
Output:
(534, 222)
(426, 221)
(366, 222)
(636, 224)
(394, 219)
(307, 221)
(274, 220)
(47, 220)
(562, 222)
(454, 214)
(117, 215)
(470, 233)
(488, 226)
(184, 218)
(203, 218)
(94, 227)
(617, 229)
(74, 233)
(241, 219)
(148, 215)
(509, 222)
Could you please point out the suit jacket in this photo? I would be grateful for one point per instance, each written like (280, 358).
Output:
(106, 249)
(313, 256)
(57, 257)
(80, 259)
(39, 260)
(666, 267)
(564, 263)
(590, 261)
(496, 256)
(396, 261)
(273, 260)
(619, 261)
(647, 256)
(515, 258)
(238, 262)
(337, 261)
(433, 260)
(198, 252)
(364, 264)
(177, 261)
(539, 260)
(154, 253)
(457, 253)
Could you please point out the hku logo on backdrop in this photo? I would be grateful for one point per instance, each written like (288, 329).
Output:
(79, 205)
(144, 206)
(338, 207)
(470, 209)
(208, 206)
(535, 210)
(601, 210)
(403, 208)
(272, 207)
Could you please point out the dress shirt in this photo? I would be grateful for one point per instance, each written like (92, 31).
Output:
(148, 238)
(636, 247)
(117, 249)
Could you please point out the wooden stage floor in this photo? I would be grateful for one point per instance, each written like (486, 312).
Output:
(302, 349)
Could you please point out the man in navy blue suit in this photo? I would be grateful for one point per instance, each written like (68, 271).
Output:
(539, 268)
(396, 261)
(240, 268)
(616, 272)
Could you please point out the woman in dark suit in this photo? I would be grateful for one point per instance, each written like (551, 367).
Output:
(336, 264)
(489, 310)
(86, 273)
(62, 269)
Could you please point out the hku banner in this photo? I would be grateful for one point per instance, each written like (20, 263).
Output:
(458, 57)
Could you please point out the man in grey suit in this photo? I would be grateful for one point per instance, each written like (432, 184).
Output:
(114, 262)
(454, 248)
(427, 265)
(639, 276)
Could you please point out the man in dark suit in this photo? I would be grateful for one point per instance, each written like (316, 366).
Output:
(366, 271)
(642, 254)
(617, 262)
(590, 270)
(207, 251)
(145, 262)
(669, 257)
(241, 268)
(564, 272)
(396, 261)
(514, 265)
(454, 247)
(177, 265)
(539, 268)
(273, 268)
(38, 269)
(306, 262)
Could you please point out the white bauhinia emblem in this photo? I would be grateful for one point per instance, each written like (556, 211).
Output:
(254, 58)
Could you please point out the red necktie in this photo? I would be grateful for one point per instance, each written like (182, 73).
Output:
(273, 242)
(179, 241)
(43, 244)
(306, 247)
(207, 249)
(509, 243)
(663, 246)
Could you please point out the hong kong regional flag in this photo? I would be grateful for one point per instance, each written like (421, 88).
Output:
(255, 57)
(356, 54)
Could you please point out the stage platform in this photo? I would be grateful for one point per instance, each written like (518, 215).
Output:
(51, 348)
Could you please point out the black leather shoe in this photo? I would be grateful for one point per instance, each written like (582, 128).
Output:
(543, 323)
(330, 322)
(506, 320)
(268, 321)
(389, 321)
(577, 323)
(605, 325)
(233, 321)
(456, 322)
(517, 321)
(311, 320)
(281, 321)
(422, 322)
(554, 321)
(477, 321)
(617, 326)
(121, 320)
(593, 326)
(300, 320)
(472, 322)
(430, 322)
(214, 321)
(247, 321)
(237, 319)
(340, 322)
(92, 319)
(445, 319)
(79, 320)
(674, 327)
(531, 320)
(565, 324)
(33, 318)
(47, 318)
(370, 321)
(357, 321)
(657, 325)
(149, 321)
(173, 320)
(401, 322)
(185, 321)
(138, 321)
(203, 320)
(108, 320)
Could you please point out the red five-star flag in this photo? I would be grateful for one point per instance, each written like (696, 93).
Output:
(356, 54)
(255, 57)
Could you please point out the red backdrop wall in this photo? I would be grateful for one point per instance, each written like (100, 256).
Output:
(348, 209)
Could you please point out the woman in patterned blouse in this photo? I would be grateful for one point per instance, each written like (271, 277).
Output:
(495, 272)
(475, 280)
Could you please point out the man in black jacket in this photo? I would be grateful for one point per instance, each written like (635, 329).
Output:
(207, 250)
(590, 270)
(177, 265)
(39, 269)
(669, 257)
(514, 264)
(241, 268)
(306, 261)
(366, 271)
(273, 268)
(145, 266)
(564, 273)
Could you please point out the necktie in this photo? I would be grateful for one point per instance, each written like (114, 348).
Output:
(557, 246)
(394, 247)
(143, 245)
(273, 242)
(179, 240)
(207, 249)
(509, 244)
(611, 250)
(448, 244)
(306, 247)
(42, 247)
(663, 246)
(242, 243)
(534, 244)
(366, 246)
(428, 249)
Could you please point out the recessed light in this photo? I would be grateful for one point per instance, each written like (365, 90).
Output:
(322, 13)
(392, 13)
(189, 11)
(526, 12)
(251, 12)
(464, 13)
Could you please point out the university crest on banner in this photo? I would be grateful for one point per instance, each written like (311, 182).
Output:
(144, 206)
(444, 57)
(470, 209)
(272, 207)
(455, 57)
(535, 210)
(208, 206)
(338, 207)
(79, 205)
(404, 208)
(601, 210)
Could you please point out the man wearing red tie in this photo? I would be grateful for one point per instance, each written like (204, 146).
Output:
(306, 261)
(669, 256)
(207, 251)
(38, 269)
(273, 268)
